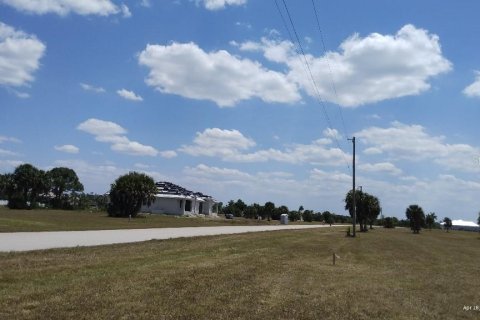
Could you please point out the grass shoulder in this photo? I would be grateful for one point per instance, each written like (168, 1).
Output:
(71, 220)
(381, 274)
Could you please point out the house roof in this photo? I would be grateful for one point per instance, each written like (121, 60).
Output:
(171, 190)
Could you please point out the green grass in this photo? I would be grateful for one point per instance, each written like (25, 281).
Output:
(384, 274)
(62, 220)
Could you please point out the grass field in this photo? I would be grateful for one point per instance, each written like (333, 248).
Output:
(384, 274)
(61, 220)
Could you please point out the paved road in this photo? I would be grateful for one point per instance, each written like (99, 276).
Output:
(25, 241)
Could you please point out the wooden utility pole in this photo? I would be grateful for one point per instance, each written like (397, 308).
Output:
(354, 218)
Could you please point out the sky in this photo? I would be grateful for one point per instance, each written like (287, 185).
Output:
(250, 99)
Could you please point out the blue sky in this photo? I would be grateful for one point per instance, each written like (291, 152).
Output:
(216, 95)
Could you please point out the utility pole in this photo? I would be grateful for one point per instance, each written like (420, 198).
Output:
(354, 222)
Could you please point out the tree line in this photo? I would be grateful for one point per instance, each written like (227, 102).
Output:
(269, 211)
(60, 188)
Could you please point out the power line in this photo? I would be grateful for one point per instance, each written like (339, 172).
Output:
(312, 79)
(334, 87)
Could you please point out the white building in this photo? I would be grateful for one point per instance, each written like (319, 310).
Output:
(175, 200)
(463, 225)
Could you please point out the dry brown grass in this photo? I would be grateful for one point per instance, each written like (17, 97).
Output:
(384, 274)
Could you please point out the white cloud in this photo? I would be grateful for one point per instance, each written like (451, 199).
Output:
(9, 139)
(365, 70)
(370, 151)
(215, 142)
(101, 128)
(65, 7)
(110, 132)
(98, 177)
(168, 154)
(412, 142)
(129, 95)
(4, 152)
(185, 69)
(473, 90)
(220, 4)
(9, 164)
(68, 148)
(20, 54)
(221, 173)
(382, 167)
(134, 148)
(146, 3)
(233, 146)
(89, 87)
(243, 24)
(125, 11)
(21, 95)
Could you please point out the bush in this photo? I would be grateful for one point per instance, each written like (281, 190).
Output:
(389, 223)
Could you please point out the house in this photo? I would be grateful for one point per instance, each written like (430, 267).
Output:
(463, 225)
(175, 200)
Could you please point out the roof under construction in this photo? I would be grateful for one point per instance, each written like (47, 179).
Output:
(168, 188)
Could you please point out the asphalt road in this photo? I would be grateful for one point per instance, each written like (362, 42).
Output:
(26, 241)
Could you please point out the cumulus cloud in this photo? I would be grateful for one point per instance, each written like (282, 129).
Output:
(65, 7)
(364, 69)
(168, 154)
(125, 11)
(215, 142)
(205, 171)
(89, 87)
(473, 90)
(220, 4)
(9, 139)
(382, 167)
(129, 95)
(114, 134)
(9, 164)
(20, 55)
(187, 70)
(233, 146)
(4, 152)
(412, 142)
(67, 148)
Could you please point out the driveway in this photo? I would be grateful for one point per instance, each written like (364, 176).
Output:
(25, 241)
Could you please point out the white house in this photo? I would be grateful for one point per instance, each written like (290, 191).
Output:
(175, 200)
(463, 225)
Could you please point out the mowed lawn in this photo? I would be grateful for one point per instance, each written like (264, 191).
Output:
(63, 220)
(384, 274)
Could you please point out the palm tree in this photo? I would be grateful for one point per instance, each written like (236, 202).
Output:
(373, 209)
(430, 219)
(416, 216)
(129, 192)
(367, 208)
(447, 223)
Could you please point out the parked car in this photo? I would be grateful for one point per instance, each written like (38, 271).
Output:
(229, 216)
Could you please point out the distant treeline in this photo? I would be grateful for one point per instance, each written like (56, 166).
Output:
(269, 211)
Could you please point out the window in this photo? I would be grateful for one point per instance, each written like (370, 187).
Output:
(188, 205)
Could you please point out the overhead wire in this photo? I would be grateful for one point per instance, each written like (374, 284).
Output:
(308, 69)
(334, 86)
